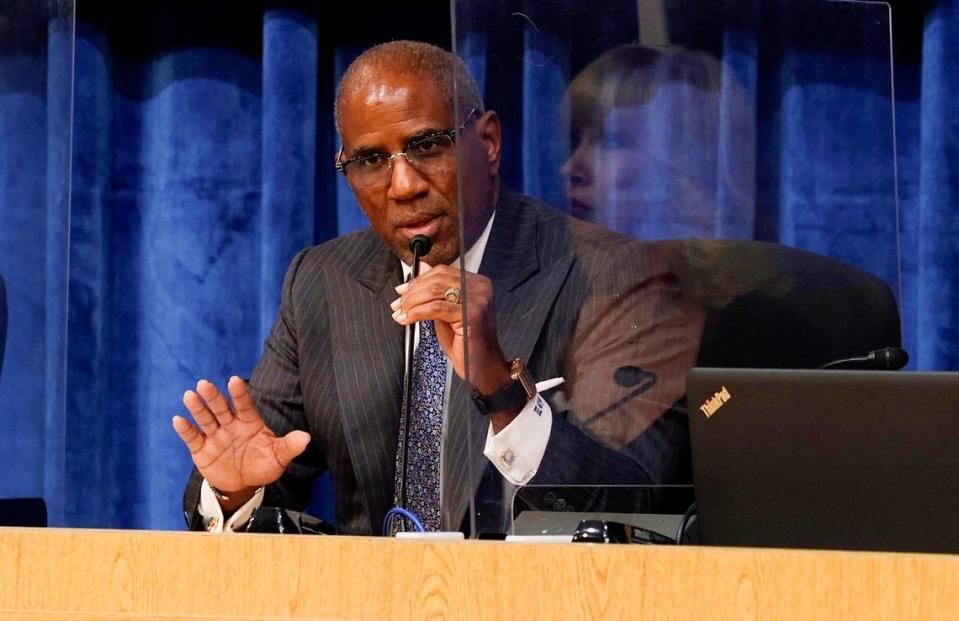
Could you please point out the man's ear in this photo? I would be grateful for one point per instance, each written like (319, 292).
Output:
(491, 134)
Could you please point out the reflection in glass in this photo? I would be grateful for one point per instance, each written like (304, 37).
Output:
(651, 153)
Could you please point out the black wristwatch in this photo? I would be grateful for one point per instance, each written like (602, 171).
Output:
(514, 395)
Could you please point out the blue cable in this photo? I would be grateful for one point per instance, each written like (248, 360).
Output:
(387, 520)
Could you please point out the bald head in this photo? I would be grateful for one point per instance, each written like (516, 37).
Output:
(410, 58)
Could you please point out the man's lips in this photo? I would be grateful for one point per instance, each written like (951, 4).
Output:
(422, 225)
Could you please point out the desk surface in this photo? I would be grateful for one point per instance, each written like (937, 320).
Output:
(62, 574)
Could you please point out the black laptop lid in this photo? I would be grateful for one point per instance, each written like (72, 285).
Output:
(826, 459)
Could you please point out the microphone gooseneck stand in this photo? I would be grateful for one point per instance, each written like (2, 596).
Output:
(420, 246)
(886, 359)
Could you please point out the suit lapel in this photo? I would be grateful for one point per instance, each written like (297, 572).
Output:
(368, 362)
(527, 270)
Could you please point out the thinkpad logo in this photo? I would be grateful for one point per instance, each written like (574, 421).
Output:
(712, 405)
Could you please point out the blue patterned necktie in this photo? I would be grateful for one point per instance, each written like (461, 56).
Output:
(425, 431)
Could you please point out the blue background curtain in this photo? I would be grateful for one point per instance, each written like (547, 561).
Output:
(201, 154)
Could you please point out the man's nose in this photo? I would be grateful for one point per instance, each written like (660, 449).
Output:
(406, 181)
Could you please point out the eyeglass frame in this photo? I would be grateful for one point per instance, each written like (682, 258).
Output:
(449, 133)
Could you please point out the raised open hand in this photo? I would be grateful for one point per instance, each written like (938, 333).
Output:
(233, 449)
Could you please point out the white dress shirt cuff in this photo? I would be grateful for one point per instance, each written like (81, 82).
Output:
(518, 448)
(213, 514)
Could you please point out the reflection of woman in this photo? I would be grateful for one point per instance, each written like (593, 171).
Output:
(662, 145)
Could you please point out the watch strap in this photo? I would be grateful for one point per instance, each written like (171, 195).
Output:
(514, 395)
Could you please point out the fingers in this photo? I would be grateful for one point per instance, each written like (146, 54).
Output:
(425, 297)
(210, 408)
(435, 310)
(291, 445)
(215, 402)
(190, 435)
(200, 412)
(242, 400)
(432, 282)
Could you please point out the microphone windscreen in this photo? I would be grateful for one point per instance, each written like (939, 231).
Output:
(629, 376)
(420, 245)
(891, 358)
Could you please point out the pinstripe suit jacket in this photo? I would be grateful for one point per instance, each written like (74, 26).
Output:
(572, 299)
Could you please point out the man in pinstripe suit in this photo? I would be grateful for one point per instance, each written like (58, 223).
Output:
(560, 298)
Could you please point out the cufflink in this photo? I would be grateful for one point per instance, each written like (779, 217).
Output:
(212, 524)
(507, 458)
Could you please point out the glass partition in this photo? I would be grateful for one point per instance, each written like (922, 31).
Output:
(36, 89)
(682, 184)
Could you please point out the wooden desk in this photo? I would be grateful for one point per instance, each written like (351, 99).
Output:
(78, 575)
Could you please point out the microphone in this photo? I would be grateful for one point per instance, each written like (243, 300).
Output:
(885, 359)
(627, 376)
(420, 246)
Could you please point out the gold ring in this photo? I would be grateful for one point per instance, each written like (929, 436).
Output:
(452, 295)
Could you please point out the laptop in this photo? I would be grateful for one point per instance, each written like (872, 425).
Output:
(857, 460)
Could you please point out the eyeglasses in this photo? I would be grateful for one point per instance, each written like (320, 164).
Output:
(432, 154)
